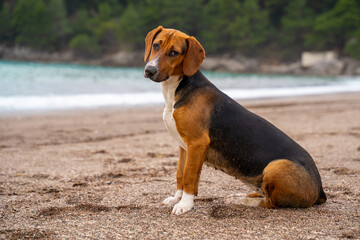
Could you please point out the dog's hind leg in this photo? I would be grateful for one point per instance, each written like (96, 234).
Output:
(287, 184)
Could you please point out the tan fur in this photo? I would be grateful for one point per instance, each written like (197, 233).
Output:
(149, 40)
(194, 57)
(287, 184)
(192, 122)
(180, 169)
(186, 63)
(254, 195)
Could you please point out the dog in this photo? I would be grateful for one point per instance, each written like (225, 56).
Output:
(212, 128)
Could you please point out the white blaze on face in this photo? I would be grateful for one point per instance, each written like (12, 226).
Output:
(153, 62)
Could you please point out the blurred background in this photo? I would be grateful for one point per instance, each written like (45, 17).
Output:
(279, 29)
(252, 37)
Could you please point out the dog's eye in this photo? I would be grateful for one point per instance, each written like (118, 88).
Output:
(156, 46)
(173, 53)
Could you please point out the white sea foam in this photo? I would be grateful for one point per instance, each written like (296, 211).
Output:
(26, 86)
(349, 86)
(59, 102)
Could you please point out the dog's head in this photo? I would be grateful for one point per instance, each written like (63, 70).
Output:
(170, 52)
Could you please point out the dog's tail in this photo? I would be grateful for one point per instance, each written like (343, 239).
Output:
(322, 197)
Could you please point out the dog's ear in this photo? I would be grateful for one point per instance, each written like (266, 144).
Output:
(195, 55)
(149, 40)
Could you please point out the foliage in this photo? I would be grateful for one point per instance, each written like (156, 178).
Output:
(252, 27)
(6, 29)
(352, 47)
(297, 21)
(81, 22)
(333, 28)
(216, 32)
(59, 26)
(84, 46)
(131, 28)
(39, 25)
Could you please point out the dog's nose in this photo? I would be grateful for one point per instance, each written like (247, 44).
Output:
(150, 71)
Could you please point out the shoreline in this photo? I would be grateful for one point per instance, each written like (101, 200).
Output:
(291, 98)
(233, 63)
(104, 173)
(93, 94)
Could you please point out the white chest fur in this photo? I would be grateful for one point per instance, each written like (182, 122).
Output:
(168, 89)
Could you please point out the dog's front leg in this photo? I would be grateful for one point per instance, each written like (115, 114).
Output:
(195, 157)
(171, 201)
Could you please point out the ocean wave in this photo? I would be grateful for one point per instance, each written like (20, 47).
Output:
(347, 86)
(57, 102)
(78, 101)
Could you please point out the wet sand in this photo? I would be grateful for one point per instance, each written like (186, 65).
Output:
(102, 174)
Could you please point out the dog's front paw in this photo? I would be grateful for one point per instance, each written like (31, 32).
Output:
(186, 204)
(171, 201)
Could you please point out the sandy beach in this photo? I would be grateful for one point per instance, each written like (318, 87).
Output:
(102, 174)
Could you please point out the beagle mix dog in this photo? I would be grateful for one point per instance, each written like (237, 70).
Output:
(211, 127)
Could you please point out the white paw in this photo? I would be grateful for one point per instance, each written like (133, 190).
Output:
(171, 201)
(186, 204)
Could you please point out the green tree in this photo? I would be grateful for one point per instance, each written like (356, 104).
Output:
(59, 23)
(107, 35)
(82, 22)
(276, 11)
(132, 29)
(352, 47)
(38, 25)
(106, 26)
(297, 21)
(85, 46)
(222, 26)
(177, 14)
(333, 28)
(250, 28)
(6, 28)
(217, 16)
(153, 12)
(23, 19)
(321, 6)
(104, 12)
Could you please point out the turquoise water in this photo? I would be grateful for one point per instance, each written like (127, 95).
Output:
(27, 86)
(26, 79)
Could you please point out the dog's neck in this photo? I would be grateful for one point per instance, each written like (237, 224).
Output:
(168, 89)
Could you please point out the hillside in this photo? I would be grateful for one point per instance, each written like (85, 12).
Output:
(273, 29)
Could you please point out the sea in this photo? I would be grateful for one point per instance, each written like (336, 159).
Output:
(39, 87)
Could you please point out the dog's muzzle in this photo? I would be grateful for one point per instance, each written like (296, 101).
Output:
(150, 71)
